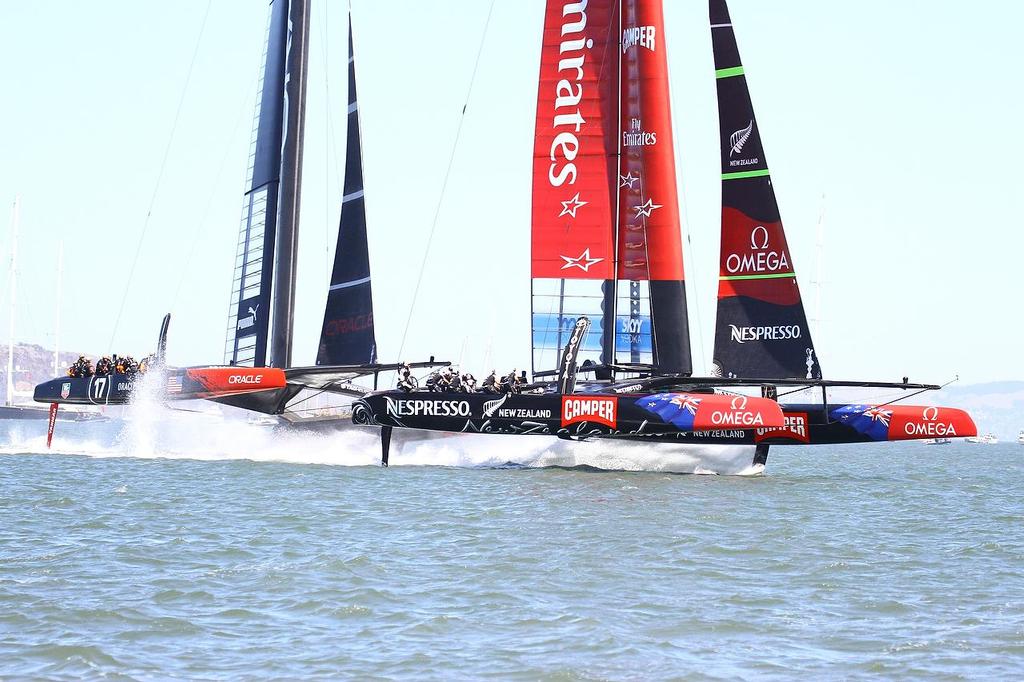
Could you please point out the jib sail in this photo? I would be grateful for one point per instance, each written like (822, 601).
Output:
(761, 329)
(347, 337)
(249, 308)
(605, 237)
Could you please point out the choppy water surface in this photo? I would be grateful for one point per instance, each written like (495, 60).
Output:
(865, 562)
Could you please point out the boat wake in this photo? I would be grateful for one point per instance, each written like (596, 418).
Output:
(150, 430)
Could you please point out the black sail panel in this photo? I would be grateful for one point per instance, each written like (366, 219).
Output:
(249, 308)
(348, 336)
(761, 329)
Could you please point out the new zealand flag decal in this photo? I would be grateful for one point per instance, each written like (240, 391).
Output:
(677, 409)
(867, 419)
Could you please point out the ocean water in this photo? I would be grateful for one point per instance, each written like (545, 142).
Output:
(185, 548)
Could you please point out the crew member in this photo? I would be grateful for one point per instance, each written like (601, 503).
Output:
(491, 382)
(405, 381)
(104, 366)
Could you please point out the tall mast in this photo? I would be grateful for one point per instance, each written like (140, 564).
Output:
(12, 287)
(56, 326)
(291, 182)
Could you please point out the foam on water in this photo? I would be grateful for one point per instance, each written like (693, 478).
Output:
(152, 428)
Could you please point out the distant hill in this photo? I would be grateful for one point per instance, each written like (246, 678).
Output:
(997, 407)
(32, 365)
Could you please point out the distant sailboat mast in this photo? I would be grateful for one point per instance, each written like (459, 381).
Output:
(56, 325)
(12, 287)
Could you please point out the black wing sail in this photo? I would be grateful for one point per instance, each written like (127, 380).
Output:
(761, 330)
(347, 337)
(249, 309)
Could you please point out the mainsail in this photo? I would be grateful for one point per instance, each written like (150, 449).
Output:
(347, 337)
(249, 309)
(761, 329)
(605, 238)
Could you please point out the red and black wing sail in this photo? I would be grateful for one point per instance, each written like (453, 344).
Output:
(761, 329)
(605, 228)
(347, 337)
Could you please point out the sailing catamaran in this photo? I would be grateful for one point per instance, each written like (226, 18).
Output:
(606, 247)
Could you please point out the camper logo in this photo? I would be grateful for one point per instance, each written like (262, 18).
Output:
(65, 390)
(644, 36)
(795, 429)
(579, 409)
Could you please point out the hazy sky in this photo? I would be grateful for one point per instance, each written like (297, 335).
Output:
(903, 114)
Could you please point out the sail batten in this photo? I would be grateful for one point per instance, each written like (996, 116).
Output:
(761, 328)
(347, 336)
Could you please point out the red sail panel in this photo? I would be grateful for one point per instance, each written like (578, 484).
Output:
(650, 246)
(575, 179)
(574, 173)
(649, 242)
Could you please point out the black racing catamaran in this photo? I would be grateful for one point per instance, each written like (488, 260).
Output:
(606, 247)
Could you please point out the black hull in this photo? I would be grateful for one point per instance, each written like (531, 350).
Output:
(633, 419)
(114, 389)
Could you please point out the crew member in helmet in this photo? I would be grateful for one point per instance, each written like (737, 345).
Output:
(405, 381)
(490, 384)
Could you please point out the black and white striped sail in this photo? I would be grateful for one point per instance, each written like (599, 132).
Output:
(347, 337)
(249, 308)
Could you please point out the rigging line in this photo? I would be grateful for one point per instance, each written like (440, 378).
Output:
(160, 174)
(444, 184)
(214, 192)
(916, 393)
(332, 140)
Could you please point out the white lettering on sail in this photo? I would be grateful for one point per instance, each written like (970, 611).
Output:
(638, 35)
(776, 333)
(636, 136)
(762, 258)
(565, 147)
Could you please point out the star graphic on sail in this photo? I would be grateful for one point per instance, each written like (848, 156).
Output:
(583, 262)
(628, 180)
(646, 209)
(570, 207)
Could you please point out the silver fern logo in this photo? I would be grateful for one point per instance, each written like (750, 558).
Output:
(740, 138)
(491, 406)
